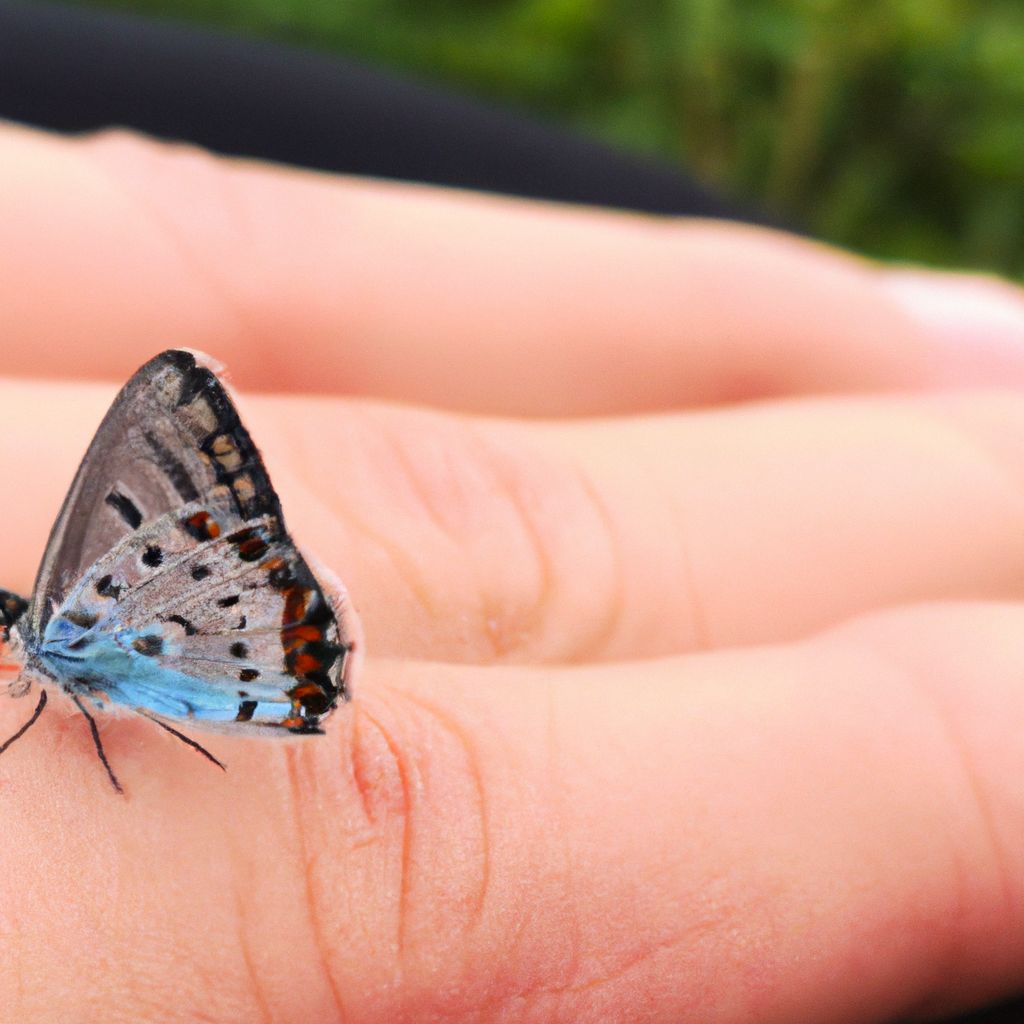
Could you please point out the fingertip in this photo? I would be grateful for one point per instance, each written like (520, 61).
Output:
(974, 323)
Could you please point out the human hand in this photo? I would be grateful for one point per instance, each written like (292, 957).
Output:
(675, 709)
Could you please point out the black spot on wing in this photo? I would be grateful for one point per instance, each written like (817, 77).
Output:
(239, 650)
(153, 556)
(150, 646)
(200, 572)
(106, 587)
(125, 508)
(190, 630)
(172, 468)
(83, 620)
(280, 577)
(247, 675)
(245, 711)
(229, 602)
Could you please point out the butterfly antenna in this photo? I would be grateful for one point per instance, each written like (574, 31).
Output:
(186, 739)
(28, 725)
(96, 742)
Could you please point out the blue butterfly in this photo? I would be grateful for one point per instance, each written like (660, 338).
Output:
(170, 585)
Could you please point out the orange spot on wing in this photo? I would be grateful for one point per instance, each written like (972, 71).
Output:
(203, 522)
(305, 632)
(305, 663)
(250, 543)
(296, 601)
(295, 636)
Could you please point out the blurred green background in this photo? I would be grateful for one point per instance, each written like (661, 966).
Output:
(895, 128)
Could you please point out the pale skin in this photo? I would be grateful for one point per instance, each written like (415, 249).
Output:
(694, 686)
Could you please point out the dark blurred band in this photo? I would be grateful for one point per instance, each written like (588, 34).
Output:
(77, 69)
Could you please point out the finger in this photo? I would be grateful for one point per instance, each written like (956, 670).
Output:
(828, 831)
(116, 246)
(483, 540)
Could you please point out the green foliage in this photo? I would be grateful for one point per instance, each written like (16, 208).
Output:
(893, 127)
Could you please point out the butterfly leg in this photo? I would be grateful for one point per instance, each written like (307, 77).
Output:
(28, 725)
(96, 742)
(185, 739)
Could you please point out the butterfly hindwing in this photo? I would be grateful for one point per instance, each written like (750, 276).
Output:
(170, 583)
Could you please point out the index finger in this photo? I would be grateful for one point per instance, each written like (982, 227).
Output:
(116, 247)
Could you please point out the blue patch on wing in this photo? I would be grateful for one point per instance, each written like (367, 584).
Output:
(124, 668)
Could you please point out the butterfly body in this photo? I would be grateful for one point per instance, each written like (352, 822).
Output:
(170, 585)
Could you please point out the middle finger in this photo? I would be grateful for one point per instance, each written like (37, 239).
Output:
(481, 540)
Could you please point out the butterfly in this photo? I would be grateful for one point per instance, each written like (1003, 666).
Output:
(170, 586)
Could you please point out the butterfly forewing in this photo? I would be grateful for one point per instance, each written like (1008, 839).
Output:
(171, 436)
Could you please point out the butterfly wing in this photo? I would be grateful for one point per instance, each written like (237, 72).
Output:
(170, 582)
(170, 437)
